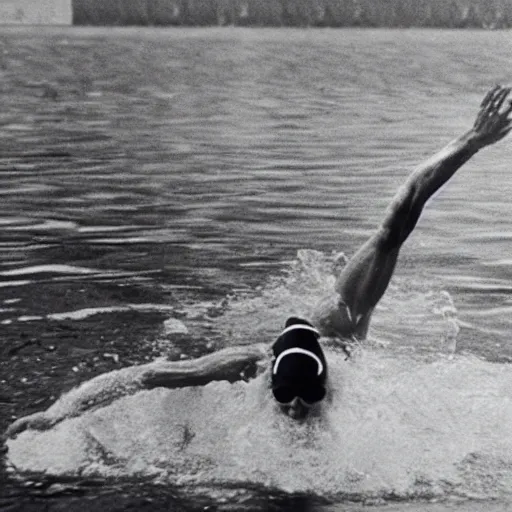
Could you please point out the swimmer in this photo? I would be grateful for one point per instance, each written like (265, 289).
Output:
(298, 369)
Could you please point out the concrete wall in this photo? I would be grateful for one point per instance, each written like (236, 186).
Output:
(320, 13)
(333, 13)
(27, 12)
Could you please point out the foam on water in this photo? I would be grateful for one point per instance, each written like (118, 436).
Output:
(412, 314)
(411, 420)
(395, 426)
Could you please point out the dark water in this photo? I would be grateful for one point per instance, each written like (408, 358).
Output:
(169, 192)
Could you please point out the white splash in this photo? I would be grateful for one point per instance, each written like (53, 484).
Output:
(395, 425)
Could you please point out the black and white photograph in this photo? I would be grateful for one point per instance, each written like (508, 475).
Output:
(255, 255)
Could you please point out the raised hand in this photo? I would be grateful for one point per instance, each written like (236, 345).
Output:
(493, 121)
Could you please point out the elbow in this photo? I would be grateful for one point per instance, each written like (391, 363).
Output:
(389, 237)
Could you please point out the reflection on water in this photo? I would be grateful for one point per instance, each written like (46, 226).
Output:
(171, 174)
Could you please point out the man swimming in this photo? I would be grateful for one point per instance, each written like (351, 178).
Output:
(298, 369)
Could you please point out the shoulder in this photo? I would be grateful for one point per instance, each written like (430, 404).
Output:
(333, 318)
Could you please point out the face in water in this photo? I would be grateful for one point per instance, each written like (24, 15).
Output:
(296, 409)
(299, 369)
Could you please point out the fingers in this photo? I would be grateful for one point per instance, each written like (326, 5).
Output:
(37, 421)
(490, 95)
(500, 98)
(491, 105)
(16, 428)
(509, 109)
(493, 121)
(494, 99)
(487, 104)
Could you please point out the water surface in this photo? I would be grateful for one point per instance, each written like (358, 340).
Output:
(169, 192)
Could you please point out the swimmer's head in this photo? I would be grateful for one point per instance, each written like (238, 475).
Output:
(299, 369)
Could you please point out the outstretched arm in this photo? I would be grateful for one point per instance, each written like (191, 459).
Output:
(231, 364)
(366, 276)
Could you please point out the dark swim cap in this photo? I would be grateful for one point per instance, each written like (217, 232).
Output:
(299, 368)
